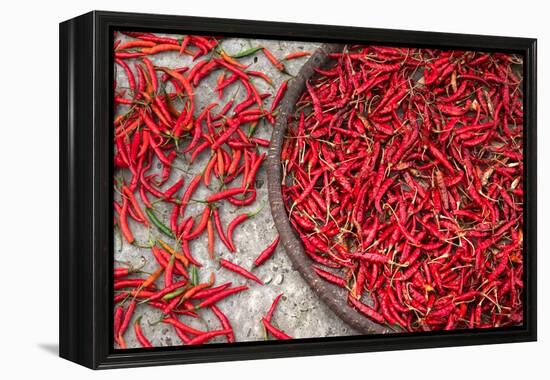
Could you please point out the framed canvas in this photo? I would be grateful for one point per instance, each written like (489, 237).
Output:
(235, 189)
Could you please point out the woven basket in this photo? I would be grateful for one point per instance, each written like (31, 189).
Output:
(333, 296)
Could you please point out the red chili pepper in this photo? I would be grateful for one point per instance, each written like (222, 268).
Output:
(135, 205)
(234, 70)
(297, 54)
(316, 102)
(140, 336)
(117, 321)
(266, 253)
(172, 190)
(189, 193)
(278, 334)
(271, 310)
(224, 321)
(152, 74)
(240, 270)
(206, 293)
(124, 55)
(121, 272)
(367, 311)
(187, 225)
(124, 222)
(135, 43)
(274, 61)
(208, 170)
(219, 230)
(210, 231)
(167, 289)
(279, 96)
(219, 296)
(330, 277)
(259, 74)
(233, 126)
(308, 189)
(235, 222)
(129, 74)
(126, 320)
(207, 336)
(189, 90)
(225, 194)
(441, 158)
(156, 39)
(201, 226)
(184, 44)
(181, 326)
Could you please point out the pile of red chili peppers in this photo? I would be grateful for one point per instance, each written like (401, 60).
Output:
(404, 180)
(157, 121)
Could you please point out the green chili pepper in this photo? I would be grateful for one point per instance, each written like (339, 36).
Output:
(247, 52)
(175, 293)
(251, 129)
(194, 275)
(165, 230)
(119, 181)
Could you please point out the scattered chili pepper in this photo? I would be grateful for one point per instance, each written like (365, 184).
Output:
(274, 61)
(266, 253)
(271, 310)
(219, 296)
(139, 335)
(240, 270)
(297, 54)
(275, 331)
(128, 235)
(235, 222)
(226, 325)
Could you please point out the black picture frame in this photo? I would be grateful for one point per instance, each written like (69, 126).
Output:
(86, 151)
